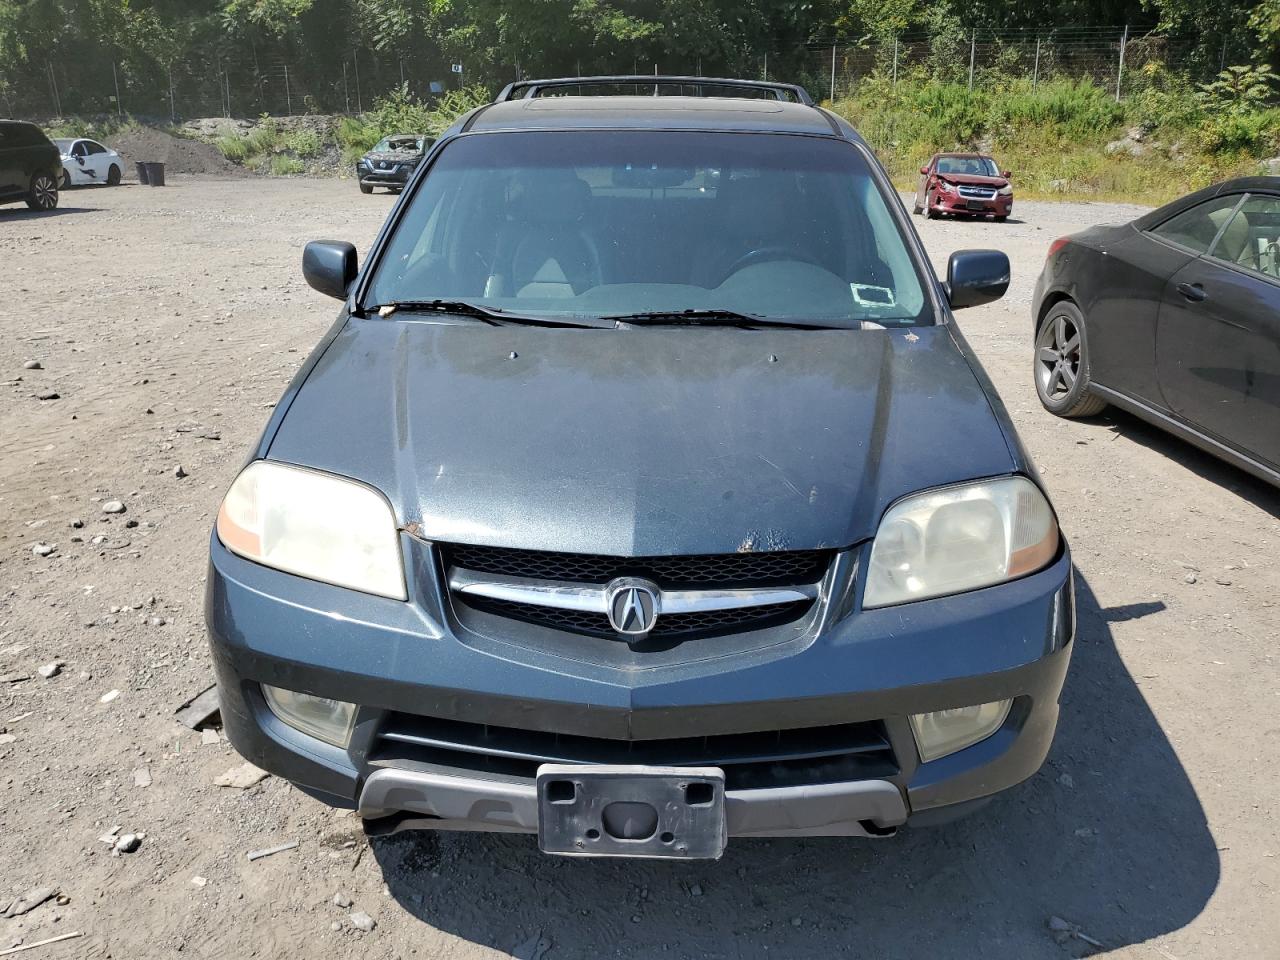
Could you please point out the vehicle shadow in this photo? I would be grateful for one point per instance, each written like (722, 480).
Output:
(1109, 836)
(22, 212)
(1244, 485)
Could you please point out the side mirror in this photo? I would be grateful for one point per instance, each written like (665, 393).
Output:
(1006, 174)
(329, 266)
(975, 277)
(80, 160)
(924, 170)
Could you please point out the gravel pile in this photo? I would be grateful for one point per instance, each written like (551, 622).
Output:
(179, 156)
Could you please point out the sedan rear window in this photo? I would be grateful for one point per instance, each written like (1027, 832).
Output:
(599, 223)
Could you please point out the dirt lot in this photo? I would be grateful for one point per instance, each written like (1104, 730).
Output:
(168, 321)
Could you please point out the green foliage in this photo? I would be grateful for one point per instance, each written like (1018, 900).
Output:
(1239, 89)
(264, 138)
(283, 165)
(399, 112)
(303, 143)
(234, 147)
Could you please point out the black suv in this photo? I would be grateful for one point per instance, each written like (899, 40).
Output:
(30, 166)
(391, 161)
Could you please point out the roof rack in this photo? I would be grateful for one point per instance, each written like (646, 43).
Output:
(529, 89)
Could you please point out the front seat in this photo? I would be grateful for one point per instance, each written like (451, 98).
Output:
(543, 250)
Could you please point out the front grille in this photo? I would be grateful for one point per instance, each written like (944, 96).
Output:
(669, 626)
(717, 569)
(830, 754)
(978, 193)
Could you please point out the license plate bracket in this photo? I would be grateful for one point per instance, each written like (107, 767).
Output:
(977, 205)
(631, 811)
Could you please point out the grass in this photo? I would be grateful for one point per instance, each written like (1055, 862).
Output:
(1054, 136)
(283, 165)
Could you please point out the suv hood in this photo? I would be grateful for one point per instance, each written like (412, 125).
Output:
(392, 156)
(642, 442)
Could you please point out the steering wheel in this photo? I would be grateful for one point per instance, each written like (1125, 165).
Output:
(767, 255)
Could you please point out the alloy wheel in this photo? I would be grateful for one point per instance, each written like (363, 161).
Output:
(1058, 358)
(45, 193)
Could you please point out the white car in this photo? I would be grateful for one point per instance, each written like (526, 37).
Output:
(87, 161)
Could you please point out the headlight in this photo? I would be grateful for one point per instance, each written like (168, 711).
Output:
(314, 525)
(322, 718)
(960, 538)
(944, 186)
(1006, 190)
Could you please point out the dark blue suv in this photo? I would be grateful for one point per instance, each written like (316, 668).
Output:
(644, 494)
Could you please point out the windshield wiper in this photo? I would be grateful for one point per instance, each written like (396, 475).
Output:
(708, 318)
(494, 316)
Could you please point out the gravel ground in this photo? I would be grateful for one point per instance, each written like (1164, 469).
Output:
(168, 321)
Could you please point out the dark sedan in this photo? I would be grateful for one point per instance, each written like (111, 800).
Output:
(391, 161)
(1174, 317)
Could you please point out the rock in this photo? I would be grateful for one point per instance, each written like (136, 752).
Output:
(695, 890)
(335, 926)
(796, 921)
(6, 738)
(30, 900)
(131, 524)
(340, 899)
(77, 524)
(1067, 781)
(48, 395)
(113, 506)
(50, 670)
(198, 881)
(210, 435)
(128, 843)
(209, 736)
(1222, 581)
(142, 777)
(242, 777)
(156, 621)
(179, 472)
(1190, 578)
(362, 921)
(43, 549)
(109, 696)
(33, 365)
(1058, 925)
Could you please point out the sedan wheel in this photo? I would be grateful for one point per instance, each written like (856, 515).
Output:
(66, 181)
(44, 192)
(1062, 364)
(113, 176)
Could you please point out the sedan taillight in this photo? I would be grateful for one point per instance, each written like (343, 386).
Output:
(1057, 245)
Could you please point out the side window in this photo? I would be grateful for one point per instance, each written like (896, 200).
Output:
(1196, 228)
(1252, 238)
(79, 150)
(95, 147)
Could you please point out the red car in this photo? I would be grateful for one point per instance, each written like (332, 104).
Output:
(964, 183)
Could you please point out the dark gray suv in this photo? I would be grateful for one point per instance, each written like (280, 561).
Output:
(30, 166)
(644, 494)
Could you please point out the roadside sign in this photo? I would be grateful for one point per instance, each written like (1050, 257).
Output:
(457, 68)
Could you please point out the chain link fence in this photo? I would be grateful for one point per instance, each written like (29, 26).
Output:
(1105, 55)
(242, 81)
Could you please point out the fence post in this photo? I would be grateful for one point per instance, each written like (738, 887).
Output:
(1124, 40)
(288, 98)
(895, 63)
(833, 73)
(346, 91)
(355, 59)
(173, 113)
(1035, 74)
(115, 79)
(53, 85)
(766, 65)
(973, 46)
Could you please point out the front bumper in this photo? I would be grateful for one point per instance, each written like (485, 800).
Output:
(397, 659)
(997, 206)
(373, 177)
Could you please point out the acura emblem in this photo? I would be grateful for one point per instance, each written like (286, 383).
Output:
(632, 605)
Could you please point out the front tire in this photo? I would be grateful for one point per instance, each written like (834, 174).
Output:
(1061, 364)
(44, 193)
(916, 208)
(364, 189)
(113, 176)
(66, 181)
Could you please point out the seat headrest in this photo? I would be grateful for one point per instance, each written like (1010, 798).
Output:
(552, 197)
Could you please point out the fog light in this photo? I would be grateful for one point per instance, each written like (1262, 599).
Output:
(320, 717)
(945, 731)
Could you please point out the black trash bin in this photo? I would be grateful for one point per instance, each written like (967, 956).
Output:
(155, 174)
(142, 172)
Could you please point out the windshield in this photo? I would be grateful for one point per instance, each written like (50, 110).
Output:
(971, 166)
(599, 223)
(393, 144)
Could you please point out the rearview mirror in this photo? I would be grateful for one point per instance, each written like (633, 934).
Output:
(329, 266)
(975, 277)
(924, 170)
